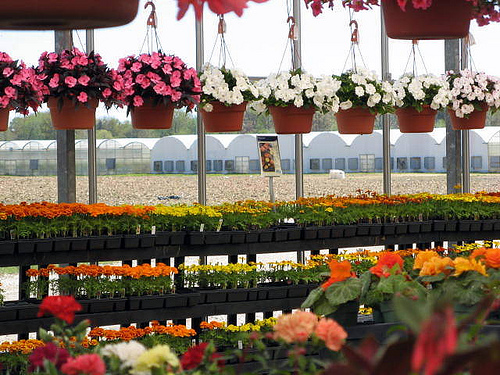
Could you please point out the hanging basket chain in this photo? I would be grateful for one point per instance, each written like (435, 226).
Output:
(414, 51)
(351, 55)
(469, 41)
(152, 39)
(292, 36)
(223, 49)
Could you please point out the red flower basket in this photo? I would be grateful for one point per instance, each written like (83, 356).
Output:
(67, 14)
(412, 121)
(355, 121)
(70, 117)
(444, 19)
(224, 118)
(4, 119)
(476, 120)
(149, 116)
(292, 120)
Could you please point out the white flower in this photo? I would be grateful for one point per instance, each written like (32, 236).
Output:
(126, 352)
(208, 107)
(346, 105)
(360, 91)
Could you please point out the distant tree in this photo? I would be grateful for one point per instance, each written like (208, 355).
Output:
(35, 126)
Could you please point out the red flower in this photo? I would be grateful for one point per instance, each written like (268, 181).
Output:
(216, 6)
(386, 263)
(86, 364)
(193, 357)
(437, 339)
(51, 352)
(339, 271)
(62, 307)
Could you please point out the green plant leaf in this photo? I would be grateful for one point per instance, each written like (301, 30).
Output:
(312, 298)
(413, 313)
(344, 291)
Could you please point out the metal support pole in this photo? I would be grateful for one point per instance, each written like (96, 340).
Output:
(202, 156)
(66, 168)
(299, 144)
(465, 133)
(92, 139)
(453, 137)
(386, 120)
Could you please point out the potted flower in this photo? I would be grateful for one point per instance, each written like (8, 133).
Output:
(76, 14)
(20, 87)
(429, 19)
(339, 296)
(472, 95)
(293, 97)
(226, 93)
(386, 279)
(362, 96)
(417, 100)
(76, 82)
(154, 85)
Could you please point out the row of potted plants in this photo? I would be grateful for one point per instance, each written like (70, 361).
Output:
(51, 220)
(152, 85)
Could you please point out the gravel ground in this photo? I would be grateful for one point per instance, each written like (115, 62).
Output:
(148, 188)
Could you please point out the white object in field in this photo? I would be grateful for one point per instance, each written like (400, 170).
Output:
(337, 174)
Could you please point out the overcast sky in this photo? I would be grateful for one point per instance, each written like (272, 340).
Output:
(257, 41)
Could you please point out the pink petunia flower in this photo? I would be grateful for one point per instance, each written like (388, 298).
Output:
(84, 80)
(138, 101)
(70, 81)
(83, 97)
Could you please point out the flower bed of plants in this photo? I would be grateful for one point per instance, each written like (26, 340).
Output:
(50, 220)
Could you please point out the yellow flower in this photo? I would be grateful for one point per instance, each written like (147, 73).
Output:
(437, 265)
(158, 357)
(464, 264)
(423, 257)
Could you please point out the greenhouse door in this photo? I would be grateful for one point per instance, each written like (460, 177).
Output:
(242, 164)
(367, 163)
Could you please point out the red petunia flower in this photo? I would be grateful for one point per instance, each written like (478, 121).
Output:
(62, 307)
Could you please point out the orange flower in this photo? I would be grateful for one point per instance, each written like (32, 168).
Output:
(492, 258)
(296, 327)
(339, 271)
(437, 265)
(331, 333)
(479, 253)
(464, 264)
(423, 257)
(386, 263)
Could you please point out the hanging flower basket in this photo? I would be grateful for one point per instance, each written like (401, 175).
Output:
(66, 15)
(292, 120)
(444, 19)
(224, 118)
(412, 121)
(69, 116)
(4, 119)
(476, 119)
(355, 121)
(150, 116)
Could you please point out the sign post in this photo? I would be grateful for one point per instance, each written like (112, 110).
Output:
(270, 160)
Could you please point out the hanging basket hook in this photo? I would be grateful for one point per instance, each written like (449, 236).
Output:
(222, 24)
(354, 31)
(152, 16)
(292, 32)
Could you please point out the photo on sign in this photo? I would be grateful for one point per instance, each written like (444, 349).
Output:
(269, 154)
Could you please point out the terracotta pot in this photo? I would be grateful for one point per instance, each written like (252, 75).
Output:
(71, 14)
(223, 118)
(71, 117)
(355, 121)
(476, 119)
(149, 116)
(412, 121)
(292, 120)
(4, 119)
(444, 19)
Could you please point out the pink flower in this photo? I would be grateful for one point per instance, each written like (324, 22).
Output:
(70, 81)
(83, 97)
(85, 364)
(84, 80)
(7, 72)
(52, 57)
(155, 60)
(162, 89)
(17, 80)
(10, 92)
(296, 327)
(175, 95)
(138, 101)
(4, 101)
(136, 67)
(54, 81)
(167, 68)
(4, 57)
(175, 79)
(107, 93)
(331, 333)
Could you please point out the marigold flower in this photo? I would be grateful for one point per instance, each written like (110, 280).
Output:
(437, 265)
(296, 327)
(422, 257)
(464, 264)
(339, 271)
(332, 333)
(386, 263)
